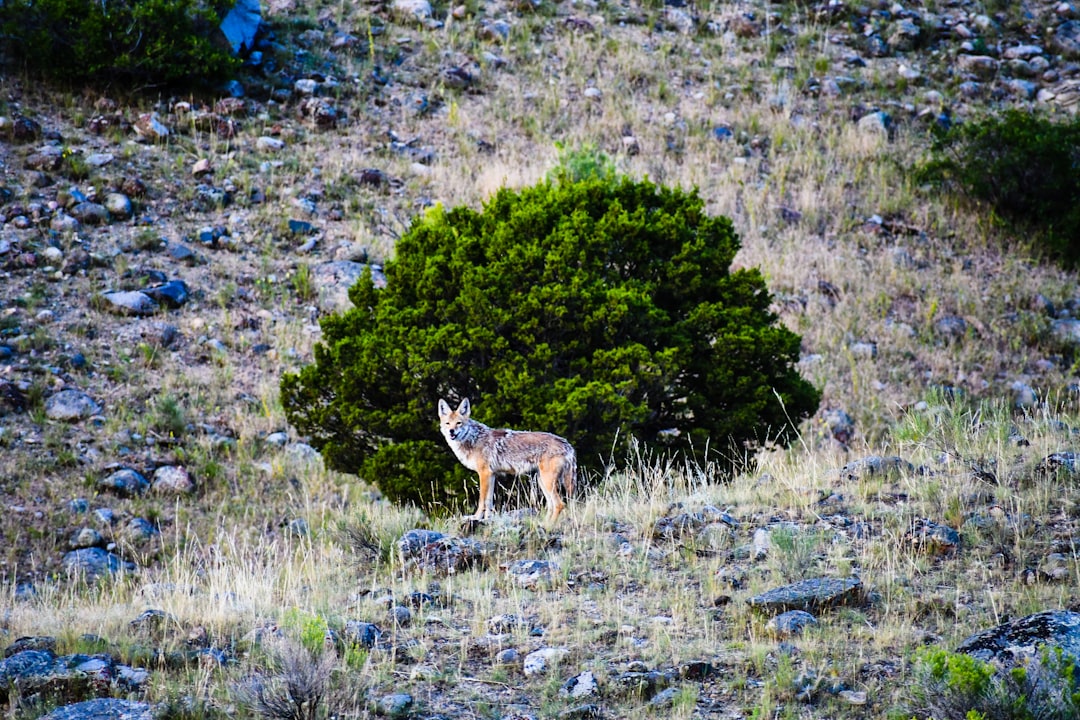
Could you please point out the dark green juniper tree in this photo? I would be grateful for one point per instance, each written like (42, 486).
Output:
(600, 310)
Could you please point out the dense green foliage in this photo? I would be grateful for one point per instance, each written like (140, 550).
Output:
(956, 686)
(125, 43)
(600, 310)
(1025, 167)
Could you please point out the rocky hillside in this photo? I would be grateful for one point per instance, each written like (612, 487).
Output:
(167, 541)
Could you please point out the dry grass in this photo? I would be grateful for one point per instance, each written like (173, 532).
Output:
(799, 180)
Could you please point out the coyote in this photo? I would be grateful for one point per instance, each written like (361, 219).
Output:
(504, 452)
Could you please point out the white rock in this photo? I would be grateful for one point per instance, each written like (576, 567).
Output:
(539, 661)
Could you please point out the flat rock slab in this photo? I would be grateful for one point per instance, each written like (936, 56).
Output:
(124, 482)
(92, 563)
(71, 405)
(130, 302)
(103, 709)
(809, 595)
(1021, 639)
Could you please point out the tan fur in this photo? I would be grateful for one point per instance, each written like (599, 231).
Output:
(490, 452)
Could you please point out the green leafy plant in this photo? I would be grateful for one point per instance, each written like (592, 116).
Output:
(957, 686)
(601, 311)
(122, 42)
(582, 163)
(1023, 166)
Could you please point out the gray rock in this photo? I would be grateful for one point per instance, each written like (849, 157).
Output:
(532, 573)
(33, 642)
(791, 623)
(71, 405)
(118, 205)
(809, 595)
(364, 634)
(98, 160)
(26, 663)
(277, 439)
(172, 294)
(396, 705)
(641, 684)
(103, 709)
(1021, 89)
(301, 453)
(129, 302)
(90, 213)
(173, 480)
(933, 537)
(412, 9)
(85, 538)
(1067, 462)
(269, 144)
(241, 24)
(401, 616)
(1019, 641)
(876, 465)
(903, 35)
(1066, 39)
(444, 555)
(139, 530)
(878, 123)
(580, 687)
(124, 482)
(981, 66)
(335, 278)
(93, 563)
(413, 542)
(839, 425)
(539, 661)
(1066, 330)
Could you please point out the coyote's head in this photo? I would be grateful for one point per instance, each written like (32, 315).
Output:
(454, 422)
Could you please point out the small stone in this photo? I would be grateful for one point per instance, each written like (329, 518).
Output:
(269, 144)
(118, 205)
(172, 294)
(93, 563)
(539, 661)
(84, 538)
(173, 479)
(98, 160)
(150, 127)
(412, 9)
(393, 706)
(130, 302)
(124, 482)
(71, 405)
(791, 623)
(90, 213)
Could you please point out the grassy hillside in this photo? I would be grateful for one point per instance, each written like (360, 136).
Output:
(926, 324)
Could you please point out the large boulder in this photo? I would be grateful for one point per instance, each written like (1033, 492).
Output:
(1019, 641)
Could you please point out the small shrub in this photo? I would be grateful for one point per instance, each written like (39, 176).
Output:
(585, 163)
(601, 311)
(123, 42)
(1024, 167)
(957, 686)
(296, 686)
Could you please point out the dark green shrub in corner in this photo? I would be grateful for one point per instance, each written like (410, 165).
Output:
(599, 310)
(1025, 168)
(956, 686)
(128, 44)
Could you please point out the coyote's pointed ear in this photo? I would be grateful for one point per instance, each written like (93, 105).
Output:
(444, 409)
(464, 408)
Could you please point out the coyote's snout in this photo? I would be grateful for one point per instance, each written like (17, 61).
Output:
(492, 452)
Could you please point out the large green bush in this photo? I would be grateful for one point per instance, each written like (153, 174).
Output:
(599, 310)
(129, 44)
(1024, 167)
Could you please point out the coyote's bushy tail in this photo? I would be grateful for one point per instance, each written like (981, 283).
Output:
(568, 473)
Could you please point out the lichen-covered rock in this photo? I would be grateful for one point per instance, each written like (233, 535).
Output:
(1019, 641)
(809, 595)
